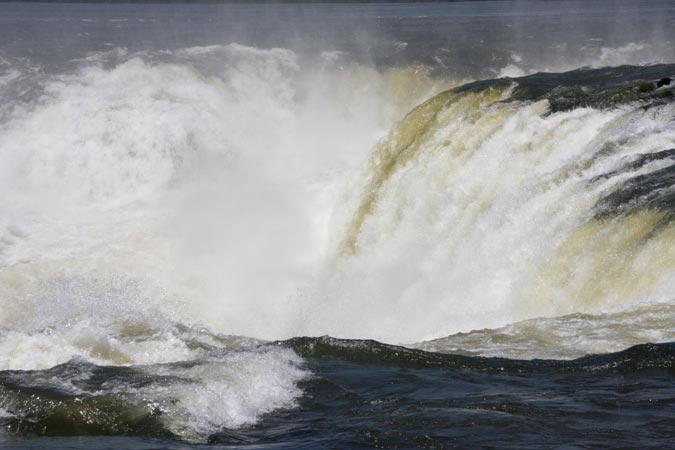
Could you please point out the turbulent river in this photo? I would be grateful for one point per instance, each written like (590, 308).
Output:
(338, 225)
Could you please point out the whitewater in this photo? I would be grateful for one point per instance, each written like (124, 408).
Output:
(177, 217)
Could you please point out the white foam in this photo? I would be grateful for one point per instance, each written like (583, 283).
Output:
(106, 323)
(512, 71)
(196, 398)
(5, 414)
(229, 392)
(219, 180)
(458, 236)
(184, 175)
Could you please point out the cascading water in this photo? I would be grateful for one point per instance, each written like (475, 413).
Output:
(184, 181)
(169, 211)
(151, 195)
(480, 210)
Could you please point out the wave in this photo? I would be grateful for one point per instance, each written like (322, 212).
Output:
(189, 400)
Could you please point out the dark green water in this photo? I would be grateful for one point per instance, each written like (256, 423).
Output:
(363, 394)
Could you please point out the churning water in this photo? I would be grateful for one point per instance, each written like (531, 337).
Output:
(469, 198)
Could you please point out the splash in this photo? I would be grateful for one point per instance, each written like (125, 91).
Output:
(236, 188)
